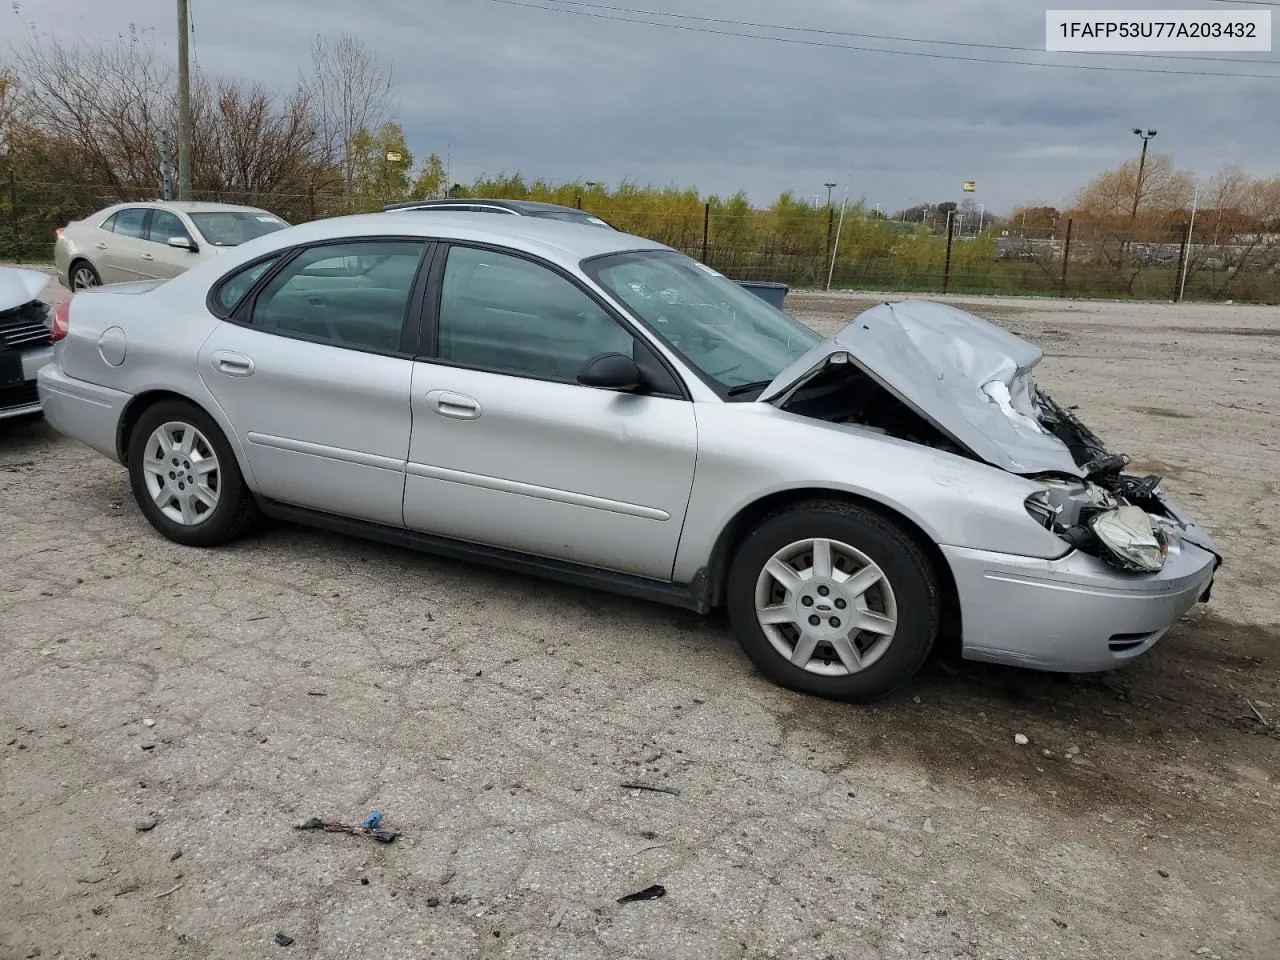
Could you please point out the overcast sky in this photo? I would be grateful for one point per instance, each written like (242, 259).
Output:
(562, 96)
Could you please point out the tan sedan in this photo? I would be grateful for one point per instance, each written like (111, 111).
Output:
(152, 241)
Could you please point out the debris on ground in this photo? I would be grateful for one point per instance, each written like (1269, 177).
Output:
(372, 821)
(145, 822)
(648, 893)
(1020, 739)
(284, 940)
(1257, 722)
(652, 789)
(337, 826)
(433, 901)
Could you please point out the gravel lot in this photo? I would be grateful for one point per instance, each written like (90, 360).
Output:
(492, 719)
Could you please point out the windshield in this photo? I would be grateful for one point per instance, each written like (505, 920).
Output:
(230, 228)
(732, 336)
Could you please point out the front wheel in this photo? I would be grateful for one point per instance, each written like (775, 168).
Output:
(834, 600)
(185, 476)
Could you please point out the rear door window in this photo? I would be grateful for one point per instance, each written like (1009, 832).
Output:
(353, 294)
(131, 222)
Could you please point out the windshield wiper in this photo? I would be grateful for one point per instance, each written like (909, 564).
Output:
(747, 388)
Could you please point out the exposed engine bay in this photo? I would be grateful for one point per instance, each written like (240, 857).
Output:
(1118, 517)
(844, 393)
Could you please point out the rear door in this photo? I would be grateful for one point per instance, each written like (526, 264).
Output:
(311, 372)
(122, 253)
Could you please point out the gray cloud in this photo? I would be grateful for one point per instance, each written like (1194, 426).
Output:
(563, 96)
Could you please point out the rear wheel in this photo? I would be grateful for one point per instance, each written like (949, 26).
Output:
(185, 476)
(834, 600)
(84, 276)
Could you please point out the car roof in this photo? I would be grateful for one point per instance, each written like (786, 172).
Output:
(189, 206)
(518, 206)
(556, 240)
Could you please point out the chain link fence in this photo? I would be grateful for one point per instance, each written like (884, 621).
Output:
(806, 247)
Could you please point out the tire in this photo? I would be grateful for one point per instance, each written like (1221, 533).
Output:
(194, 494)
(81, 275)
(804, 625)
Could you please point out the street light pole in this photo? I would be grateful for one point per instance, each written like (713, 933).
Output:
(1142, 163)
(831, 217)
(184, 106)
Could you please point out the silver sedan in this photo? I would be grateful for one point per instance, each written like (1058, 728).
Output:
(598, 408)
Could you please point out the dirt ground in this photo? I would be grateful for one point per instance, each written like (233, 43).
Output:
(492, 718)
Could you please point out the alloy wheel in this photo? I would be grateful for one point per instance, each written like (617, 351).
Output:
(182, 474)
(826, 607)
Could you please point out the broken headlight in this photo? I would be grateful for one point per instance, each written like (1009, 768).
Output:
(1130, 539)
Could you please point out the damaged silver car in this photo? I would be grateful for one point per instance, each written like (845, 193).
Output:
(25, 341)
(597, 408)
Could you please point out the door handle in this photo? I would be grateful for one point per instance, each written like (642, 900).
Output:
(101, 246)
(232, 364)
(147, 256)
(455, 405)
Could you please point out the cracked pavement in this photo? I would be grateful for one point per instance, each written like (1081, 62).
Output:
(492, 718)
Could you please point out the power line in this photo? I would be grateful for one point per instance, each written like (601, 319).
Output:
(878, 36)
(861, 49)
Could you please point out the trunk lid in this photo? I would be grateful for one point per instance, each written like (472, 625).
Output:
(969, 378)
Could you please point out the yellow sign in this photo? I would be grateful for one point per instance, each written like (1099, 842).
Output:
(970, 186)
(393, 157)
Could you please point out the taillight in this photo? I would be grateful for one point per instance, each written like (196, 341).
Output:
(57, 232)
(61, 320)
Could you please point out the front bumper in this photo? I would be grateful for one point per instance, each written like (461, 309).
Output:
(81, 410)
(23, 399)
(1076, 614)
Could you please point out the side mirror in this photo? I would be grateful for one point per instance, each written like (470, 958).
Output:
(611, 371)
(183, 243)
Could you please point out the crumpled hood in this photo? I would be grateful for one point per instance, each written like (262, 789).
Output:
(968, 377)
(19, 287)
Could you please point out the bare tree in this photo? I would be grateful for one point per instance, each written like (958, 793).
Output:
(10, 93)
(250, 141)
(1103, 213)
(1237, 229)
(107, 102)
(350, 88)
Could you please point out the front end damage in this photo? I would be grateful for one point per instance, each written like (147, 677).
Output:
(1124, 519)
(931, 374)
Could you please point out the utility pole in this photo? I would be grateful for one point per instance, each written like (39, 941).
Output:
(184, 105)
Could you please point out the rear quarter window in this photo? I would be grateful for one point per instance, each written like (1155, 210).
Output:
(232, 290)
